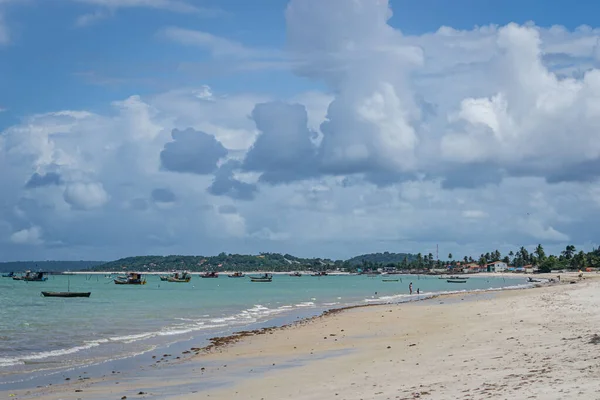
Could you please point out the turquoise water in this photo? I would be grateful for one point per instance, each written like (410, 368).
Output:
(41, 335)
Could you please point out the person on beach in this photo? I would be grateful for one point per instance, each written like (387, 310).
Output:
(410, 288)
(418, 290)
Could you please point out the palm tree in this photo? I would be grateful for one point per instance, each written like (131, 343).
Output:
(568, 252)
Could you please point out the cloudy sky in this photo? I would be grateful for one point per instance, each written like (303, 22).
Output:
(314, 127)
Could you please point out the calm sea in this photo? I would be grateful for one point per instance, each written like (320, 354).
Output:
(44, 335)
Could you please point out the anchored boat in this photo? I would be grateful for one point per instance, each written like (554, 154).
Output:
(132, 278)
(236, 275)
(264, 278)
(211, 274)
(32, 277)
(66, 294)
(179, 277)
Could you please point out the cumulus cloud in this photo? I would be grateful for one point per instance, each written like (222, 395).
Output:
(31, 236)
(39, 180)
(283, 151)
(162, 195)
(192, 151)
(85, 196)
(470, 139)
(225, 184)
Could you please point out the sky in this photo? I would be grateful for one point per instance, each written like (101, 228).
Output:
(318, 128)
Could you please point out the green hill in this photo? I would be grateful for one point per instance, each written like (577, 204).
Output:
(244, 262)
(382, 258)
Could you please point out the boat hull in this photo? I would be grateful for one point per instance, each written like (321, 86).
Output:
(178, 280)
(66, 294)
(260, 279)
(455, 281)
(129, 283)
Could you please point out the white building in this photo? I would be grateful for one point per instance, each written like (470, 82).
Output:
(497, 266)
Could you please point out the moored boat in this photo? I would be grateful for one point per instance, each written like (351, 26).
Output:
(32, 277)
(211, 274)
(8, 275)
(236, 275)
(321, 273)
(456, 281)
(180, 277)
(132, 278)
(66, 294)
(296, 274)
(264, 278)
(390, 280)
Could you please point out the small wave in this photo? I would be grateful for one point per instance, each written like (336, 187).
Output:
(9, 361)
(306, 304)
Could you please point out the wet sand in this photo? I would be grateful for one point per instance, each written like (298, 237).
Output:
(536, 343)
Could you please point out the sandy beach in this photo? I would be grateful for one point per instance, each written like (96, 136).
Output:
(534, 343)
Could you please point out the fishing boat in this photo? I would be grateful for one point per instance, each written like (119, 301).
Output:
(236, 275)
(321, 273)
(390, 280)
(66, 294)
(264, 278)
(296, 274)
(8, 275)
(211, 274)
(180, 277)
(32, 277)
(132, 278)
(456, 280)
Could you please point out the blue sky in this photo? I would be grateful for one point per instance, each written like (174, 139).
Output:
(53, 64)
(316, 126)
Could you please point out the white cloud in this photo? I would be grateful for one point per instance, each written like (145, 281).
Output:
(85, 196)
(472, 140)
(108, 7)
(474, 214)
(216, 45)
(32, 236)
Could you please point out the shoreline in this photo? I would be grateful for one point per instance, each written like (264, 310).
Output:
(220, 344)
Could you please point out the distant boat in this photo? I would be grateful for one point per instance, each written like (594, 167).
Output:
(132, 278)
(456, 281)
(236, 275)
(390, 280)
(66, 294)
(179, 277)
(321, 273)
(264, 278)
(296, 274)
(211, 274)
(32, 277)
(8, 275)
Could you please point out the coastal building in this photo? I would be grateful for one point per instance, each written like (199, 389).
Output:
(473, 268)
(497, 266)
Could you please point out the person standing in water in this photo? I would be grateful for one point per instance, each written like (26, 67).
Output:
(410, 288)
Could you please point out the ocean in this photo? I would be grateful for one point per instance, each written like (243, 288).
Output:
(43, 336)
